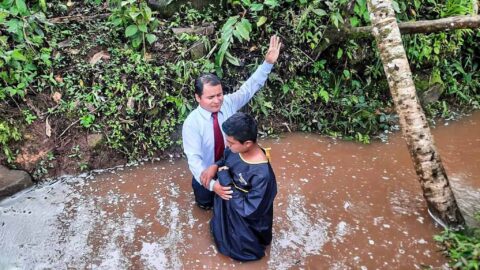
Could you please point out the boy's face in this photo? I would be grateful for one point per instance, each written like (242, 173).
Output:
(236, 146)
(212, 98)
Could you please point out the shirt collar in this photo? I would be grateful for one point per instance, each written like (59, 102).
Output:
(206, 114)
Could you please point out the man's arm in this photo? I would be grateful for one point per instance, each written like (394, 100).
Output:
(223, 191)
(208, 174)
(192, 146)
(241, 97)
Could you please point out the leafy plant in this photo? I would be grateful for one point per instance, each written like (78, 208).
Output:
(8, 134)
(241, 27)
(29, 117)
(138, 22)
(462, 247)
(41, 169)
(237, 27)
(21, 54)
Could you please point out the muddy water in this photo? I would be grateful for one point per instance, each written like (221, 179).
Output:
(340, 205)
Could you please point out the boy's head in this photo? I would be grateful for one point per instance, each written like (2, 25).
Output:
(241, 131)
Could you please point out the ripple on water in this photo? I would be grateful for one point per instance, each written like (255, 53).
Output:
(304, 233)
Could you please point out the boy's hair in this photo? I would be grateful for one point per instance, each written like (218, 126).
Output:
(203, 79)
(241, 126)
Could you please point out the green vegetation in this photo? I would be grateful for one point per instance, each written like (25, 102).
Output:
(128, 77)
(462, 247)
(8, 134)
(137, 20)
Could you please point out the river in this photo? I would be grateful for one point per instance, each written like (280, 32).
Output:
(340, 205)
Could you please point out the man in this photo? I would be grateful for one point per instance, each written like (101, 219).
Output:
(203, 140)
(242, 225)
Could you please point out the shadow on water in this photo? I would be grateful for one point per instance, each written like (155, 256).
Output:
(340, 205)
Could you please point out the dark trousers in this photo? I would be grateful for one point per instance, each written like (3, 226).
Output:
(203, 196)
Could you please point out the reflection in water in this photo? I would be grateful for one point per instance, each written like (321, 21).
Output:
(340, 205)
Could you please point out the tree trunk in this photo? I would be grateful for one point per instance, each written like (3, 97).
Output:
(428, 166)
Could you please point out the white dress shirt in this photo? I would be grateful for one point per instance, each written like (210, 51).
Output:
(197, 131)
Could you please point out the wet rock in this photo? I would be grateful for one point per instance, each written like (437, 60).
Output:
(198, 30)
(12, 181)
(467, 199)
(432, 94)
(94, 140)
(197, 51)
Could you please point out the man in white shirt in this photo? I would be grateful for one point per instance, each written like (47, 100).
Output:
(203, 141)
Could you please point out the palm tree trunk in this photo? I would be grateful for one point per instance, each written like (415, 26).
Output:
(428, 166)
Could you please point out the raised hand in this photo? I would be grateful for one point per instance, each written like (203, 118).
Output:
(274, 50)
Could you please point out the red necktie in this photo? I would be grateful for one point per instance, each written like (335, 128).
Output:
(218, 138)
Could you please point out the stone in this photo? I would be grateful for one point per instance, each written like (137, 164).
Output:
(198, 30)
(432, 94)
(94, 140)
(197, 51)
(467, 199)
(13, 181)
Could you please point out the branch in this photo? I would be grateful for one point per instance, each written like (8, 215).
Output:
(78, 18)
(336, 36)
(431, 26)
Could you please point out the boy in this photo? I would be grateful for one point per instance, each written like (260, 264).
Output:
(242, 225)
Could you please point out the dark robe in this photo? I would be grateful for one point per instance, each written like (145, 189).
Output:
(242, 226)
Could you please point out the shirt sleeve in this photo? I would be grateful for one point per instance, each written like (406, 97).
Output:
(255, 202)
(192, 146)
(250, 87)
(223, 161)
(224, 178)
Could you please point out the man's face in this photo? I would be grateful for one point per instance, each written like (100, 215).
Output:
(212, 98)
(236, 146)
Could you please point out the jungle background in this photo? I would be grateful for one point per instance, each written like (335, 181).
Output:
(91, 84)
(88, 83)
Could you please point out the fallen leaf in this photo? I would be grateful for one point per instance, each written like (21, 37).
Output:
(90, 108)
(98, 56)
(130, 103)
(74, 51)
(147, 57)
(48, 128)
(59, 78)
(63, 44)
(57, 97)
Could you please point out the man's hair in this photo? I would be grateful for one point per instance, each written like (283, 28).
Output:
(241, 126)
(203, 79)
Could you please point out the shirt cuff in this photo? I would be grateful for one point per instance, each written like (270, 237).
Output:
(266, 66)
(211, 184)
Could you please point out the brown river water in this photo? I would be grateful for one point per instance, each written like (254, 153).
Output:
(340, 205)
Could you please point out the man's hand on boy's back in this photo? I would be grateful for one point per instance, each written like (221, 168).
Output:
(223, 192)
(208, 174)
